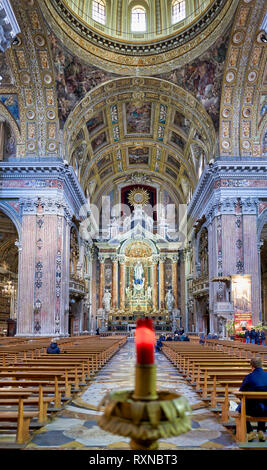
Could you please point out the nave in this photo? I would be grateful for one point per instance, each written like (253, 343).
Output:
(76, 426)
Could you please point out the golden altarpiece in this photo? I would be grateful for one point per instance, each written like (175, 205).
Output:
(143, 272)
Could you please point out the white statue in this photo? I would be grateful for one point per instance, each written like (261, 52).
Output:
(106, 300)
(149, 293)
(169, 300)
(139, 271)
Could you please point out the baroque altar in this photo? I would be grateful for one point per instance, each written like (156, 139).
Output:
(138, 272)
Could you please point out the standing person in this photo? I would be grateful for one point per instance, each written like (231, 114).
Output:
(252, 336)
(257, 337)
(247, 336)
(262, 337)
(53, 348)
(97, 331)
(256, 381)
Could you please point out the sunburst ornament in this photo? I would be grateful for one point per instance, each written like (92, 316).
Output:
(138, 196)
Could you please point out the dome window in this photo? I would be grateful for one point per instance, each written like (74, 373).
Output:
(178, 11)
(138, 19)
(99, 11)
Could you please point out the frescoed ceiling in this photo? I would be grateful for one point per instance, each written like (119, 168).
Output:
(139, 124)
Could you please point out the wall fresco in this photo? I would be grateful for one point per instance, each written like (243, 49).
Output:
(203, 77)
(73, 78)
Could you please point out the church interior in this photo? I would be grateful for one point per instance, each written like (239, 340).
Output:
(133, 184)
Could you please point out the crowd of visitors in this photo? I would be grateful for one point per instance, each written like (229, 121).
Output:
(178, 335)
(254, 336)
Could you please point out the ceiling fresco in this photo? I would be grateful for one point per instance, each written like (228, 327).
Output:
(141, 124)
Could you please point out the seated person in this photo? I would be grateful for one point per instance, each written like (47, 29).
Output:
(256, 381)
(53, 348)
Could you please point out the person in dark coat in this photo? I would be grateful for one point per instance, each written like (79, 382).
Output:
(97, 331)
(252, 336)
(247, 336)
(53, 348)
(256, 381)
(257, 337)
(262, 337)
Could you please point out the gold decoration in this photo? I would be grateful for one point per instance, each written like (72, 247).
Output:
(145, 421)
(138, 196)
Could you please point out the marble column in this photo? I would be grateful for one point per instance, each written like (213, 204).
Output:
(162, 282)
(122, 284)
(175, 280)
(43, 268)
(114, 281)
(155, 285)
(101, 280)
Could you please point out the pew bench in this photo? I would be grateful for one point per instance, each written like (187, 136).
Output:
(18, 420)
(241, 420)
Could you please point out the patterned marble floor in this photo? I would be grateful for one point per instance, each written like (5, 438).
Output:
(76, 426)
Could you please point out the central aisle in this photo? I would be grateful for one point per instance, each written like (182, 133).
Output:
(76, 426)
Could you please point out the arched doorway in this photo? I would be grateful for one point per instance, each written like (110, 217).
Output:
(8, 275)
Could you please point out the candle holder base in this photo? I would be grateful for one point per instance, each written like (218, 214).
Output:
(145, 421)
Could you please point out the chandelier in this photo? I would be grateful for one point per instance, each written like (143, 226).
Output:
(8, 289)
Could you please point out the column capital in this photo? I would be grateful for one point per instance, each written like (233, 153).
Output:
(174, 258)
(29, 205)
(249, 205)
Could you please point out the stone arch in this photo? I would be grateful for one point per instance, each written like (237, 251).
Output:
(12, 214)
(106, 156)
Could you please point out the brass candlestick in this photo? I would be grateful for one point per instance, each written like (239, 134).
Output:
(144, 414)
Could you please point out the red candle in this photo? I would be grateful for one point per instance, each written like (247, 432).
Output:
(145, 341)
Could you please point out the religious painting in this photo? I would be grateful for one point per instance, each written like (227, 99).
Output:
(241, 293)
(138, 118)
(116, 133)
(10, 147)
(160, 132)
(138, 155)
(177, 140)
(114, 114)
(173, 161)
(263, 109)
(181, 122)
(95, 123)
(106, 172)
(203, 76)
(106, 160)
(5, 71)
(73, 77)
(10, 101)
(99, 141)
(163, 113)
(170, 172)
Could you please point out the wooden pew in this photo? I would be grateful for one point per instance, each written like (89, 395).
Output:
(241, 420)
